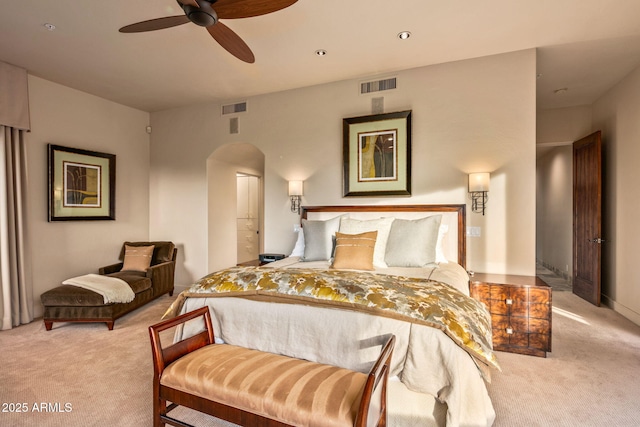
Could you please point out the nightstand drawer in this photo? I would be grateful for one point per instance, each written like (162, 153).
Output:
(520, 324)
(504, 293)
(540, 311)
(540, 340)
(520, 342)
(504, 339)
(541, 326)
(539, 296)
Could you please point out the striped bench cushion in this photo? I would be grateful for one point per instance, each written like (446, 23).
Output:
(290, 390)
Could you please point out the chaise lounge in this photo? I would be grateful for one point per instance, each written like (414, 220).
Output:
(69, 303)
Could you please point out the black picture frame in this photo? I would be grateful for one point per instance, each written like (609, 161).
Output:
(377, 155)
(82, 184)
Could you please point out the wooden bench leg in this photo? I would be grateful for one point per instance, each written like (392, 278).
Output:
(159, 408)
(48, 324)
(110, 324)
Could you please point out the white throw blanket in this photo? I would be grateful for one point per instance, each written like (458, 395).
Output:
(112, 289)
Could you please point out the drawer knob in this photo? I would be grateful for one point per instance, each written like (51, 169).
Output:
(509, 331)
(508, 301)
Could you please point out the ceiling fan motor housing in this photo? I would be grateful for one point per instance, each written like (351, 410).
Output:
(203, 16)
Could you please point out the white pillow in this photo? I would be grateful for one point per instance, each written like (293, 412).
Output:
(440, 257)
(412, 243)
(382, 226)
(319, 239)
(298, 249)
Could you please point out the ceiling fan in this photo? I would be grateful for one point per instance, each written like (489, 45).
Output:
(206, 13)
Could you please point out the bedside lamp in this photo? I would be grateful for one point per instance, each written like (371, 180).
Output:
(295, 194)
(478, 188)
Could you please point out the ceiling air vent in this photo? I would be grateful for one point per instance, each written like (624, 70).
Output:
(378, 85)
(240, 107)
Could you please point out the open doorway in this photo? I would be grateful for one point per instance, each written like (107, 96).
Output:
(223, 167)
(554, 215)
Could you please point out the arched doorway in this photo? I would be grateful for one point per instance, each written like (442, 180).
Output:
(223, 166)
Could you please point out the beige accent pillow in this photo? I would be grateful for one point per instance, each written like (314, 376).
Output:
(137, 258)
(355, 251)
(382, 226)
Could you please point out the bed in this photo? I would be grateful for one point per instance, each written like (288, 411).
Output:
(439, 367)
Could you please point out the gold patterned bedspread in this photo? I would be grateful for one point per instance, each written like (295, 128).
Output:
(465, 320)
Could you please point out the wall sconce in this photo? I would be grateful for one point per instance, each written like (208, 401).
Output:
(478, 188)
(295, 194)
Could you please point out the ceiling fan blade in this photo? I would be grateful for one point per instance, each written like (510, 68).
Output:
(231, 42)
(193, 3)
(231, 9)
(155, 24)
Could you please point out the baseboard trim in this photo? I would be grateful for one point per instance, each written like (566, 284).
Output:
(621, 309)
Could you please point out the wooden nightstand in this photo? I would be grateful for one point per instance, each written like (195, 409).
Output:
(252, 263)
(520, 308)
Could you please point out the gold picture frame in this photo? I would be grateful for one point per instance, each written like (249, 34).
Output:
(377, 155)
(81, 184)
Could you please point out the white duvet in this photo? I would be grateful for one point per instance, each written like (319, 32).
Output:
(434, 382)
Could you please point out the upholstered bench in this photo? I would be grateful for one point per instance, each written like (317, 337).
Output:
(255, 388)
(68, 303)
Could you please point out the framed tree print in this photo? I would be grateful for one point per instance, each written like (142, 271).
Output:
(81, 184)
(377, 155)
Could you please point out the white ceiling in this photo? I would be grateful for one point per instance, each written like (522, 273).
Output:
(585, 46)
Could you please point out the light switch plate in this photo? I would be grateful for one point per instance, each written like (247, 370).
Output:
(473, 232)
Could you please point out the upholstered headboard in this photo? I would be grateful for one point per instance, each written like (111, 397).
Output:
(454, 216)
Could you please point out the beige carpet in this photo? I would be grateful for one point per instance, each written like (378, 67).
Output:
(590, 378)
(104, 375)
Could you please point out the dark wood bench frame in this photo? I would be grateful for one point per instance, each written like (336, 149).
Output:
(373, 404)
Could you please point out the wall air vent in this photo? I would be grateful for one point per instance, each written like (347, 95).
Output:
(240, 107)
(378, 85)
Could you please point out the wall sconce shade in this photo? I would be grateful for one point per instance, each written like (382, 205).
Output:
(295, 188)
(478, 188)
(295, 194)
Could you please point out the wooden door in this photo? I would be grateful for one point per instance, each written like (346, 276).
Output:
(587, 217)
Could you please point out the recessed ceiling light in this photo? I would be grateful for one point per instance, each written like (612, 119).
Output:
(321, 52)
(50, 27)
(403, 35)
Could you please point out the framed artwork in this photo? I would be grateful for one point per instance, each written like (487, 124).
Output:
(377, 155)
(82, 184)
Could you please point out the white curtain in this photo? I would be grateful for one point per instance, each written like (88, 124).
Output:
(16, 291)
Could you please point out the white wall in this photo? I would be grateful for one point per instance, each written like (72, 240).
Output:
(616, 114)
(469, 116)
(64, 116)
(563, 125)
